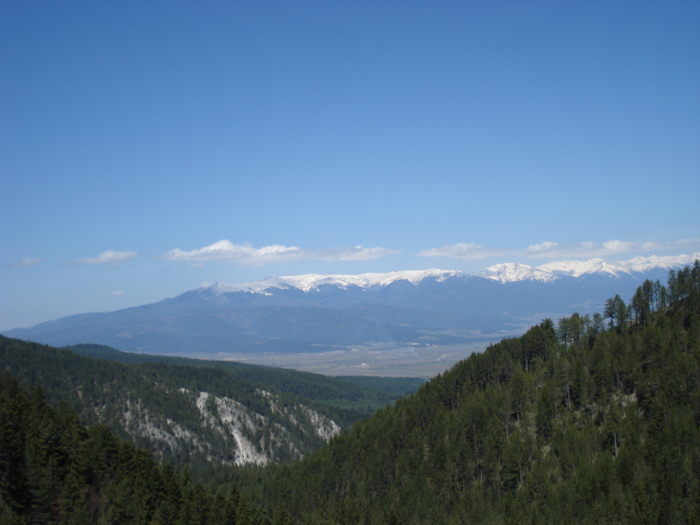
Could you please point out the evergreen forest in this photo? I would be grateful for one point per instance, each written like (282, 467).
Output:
(589, 419)
(53, 469)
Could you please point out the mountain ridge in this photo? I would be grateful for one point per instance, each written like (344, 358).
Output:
(502, 272)
(314, 314)
(312, 281)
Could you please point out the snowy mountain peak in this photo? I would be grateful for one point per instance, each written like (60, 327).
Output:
(642, 264)
(615, 268)
(312, 281)
(579, 268)
(366, 280)
(504, 273)
(513, 272)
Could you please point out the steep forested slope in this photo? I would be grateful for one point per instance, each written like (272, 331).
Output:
(592, 420)
(55, 470)
(194, 416)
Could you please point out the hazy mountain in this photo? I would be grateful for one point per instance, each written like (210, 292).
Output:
(311, 313)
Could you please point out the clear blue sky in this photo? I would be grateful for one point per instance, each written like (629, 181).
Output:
(335, 137)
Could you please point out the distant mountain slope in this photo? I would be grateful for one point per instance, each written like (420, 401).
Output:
(313, 313)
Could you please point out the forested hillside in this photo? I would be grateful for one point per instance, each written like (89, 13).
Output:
(589, 420)
(55, 470)
(199, 417)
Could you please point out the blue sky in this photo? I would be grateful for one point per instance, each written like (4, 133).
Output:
(146, 147)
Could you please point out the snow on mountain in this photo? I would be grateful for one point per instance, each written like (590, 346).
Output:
(579, 268)
(513, 272)
(644, 264)
(261, 287)
(319, 313)
(601, 266)
(312, 281)
(504, 273)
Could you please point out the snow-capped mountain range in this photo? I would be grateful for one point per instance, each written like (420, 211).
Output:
(601, 266)
(504, 273)
(313, 281)
(318, 313)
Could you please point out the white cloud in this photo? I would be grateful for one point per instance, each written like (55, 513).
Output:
(674, 245)
(108, 258)
(550, 249)
(358, 253)
(468, 251)
(226, 251)
(25, 263)
(117, 293)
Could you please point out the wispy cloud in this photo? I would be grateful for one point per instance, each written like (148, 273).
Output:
(108, 258)
(358, 253)
(25, 263)
(226, 251)
(117, 293)
(468, 251)
(692, 244)
(549, 249)
(592, 249)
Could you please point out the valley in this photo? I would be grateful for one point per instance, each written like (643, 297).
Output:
(377, 360)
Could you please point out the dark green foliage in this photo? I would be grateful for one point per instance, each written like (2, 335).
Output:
(573, 423)
(395, 387)
(54, 470)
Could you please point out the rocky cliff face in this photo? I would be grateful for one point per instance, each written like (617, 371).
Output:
(229, 433)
